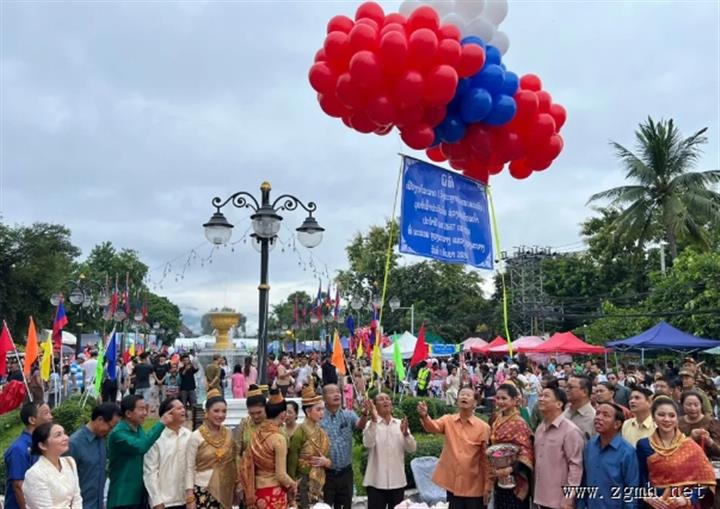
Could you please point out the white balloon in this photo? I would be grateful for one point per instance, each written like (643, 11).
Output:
(495, 11)
(501, 42)
(469, 9)
(455, 19)
(480, 27)
(408, 6)
(442, 7)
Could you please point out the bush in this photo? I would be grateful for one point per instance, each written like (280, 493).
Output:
(71, 415)
(10, 428)
(436, 408)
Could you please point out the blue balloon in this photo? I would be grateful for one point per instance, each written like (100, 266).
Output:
(503, 110)
(452, 129)
(491, 78)
(511, 84)
(504, 67)
(462, 87)
(471, 39)
(492, 55)
(476, 105)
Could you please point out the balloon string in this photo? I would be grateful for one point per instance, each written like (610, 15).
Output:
(496, 236)
(388, 256)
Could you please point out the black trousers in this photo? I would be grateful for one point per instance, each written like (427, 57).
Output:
(384, 499)
(456, 502)
(338, 490)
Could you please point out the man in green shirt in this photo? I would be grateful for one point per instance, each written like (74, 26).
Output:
(212, 374)
(127, 444)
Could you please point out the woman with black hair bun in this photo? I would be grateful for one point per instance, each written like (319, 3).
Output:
(53, 480)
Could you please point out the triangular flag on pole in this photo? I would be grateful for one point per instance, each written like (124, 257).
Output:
(6, 345)
(376, 363)
(99, 368)
(397, 359)
(421, 351)
(111, 356)
(46, 363)
(338, 359)
(360, 351)
(32, 351)
(60, 322)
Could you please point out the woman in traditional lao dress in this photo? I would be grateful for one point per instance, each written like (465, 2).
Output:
(674, 465)
(508, 427)
(266, 483)
(211, 471)
(309, 447)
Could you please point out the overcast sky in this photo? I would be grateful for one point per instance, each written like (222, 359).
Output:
(122, 120)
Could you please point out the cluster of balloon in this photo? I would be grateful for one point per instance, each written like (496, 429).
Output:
(383, 71)
(478, 18)
(529, 142)
(440, 84)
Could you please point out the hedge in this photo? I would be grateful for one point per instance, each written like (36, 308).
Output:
(436, 408)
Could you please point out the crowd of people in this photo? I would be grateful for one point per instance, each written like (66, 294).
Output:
(584, 437)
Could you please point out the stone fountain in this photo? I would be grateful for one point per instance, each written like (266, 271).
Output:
(222, 322)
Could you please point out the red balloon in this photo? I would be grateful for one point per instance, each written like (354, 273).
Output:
(544, 128)
(412, 115)
(541, 165)
(519, 169)
(382, 131)
(322, 78)
(369, 22)
(418, 136)
(331, 105)
(423, 17)
(409, 88)
(544, 101)
(346, 120)
(365, 69)
(433, 115)
(471, 60)
(513, 146)
(559, 114)
(435, 154)
(480, 141)
(449, 52)
(320, 55)
(423, 45)
(363, 37)
(477, 171)
(440, 85)
(340, 24)
(553, 147)
(392, 27)
(372, 11)
(527, 104)
(495, 169)
(362, 123)
(381, 110)
(531, 82)
(394, 50)
(395, 17)
(337, 49)
(348, 92)
(449, 32)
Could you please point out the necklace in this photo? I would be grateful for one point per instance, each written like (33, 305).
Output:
(216, 442)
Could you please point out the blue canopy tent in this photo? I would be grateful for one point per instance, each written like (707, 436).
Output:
(664, 336)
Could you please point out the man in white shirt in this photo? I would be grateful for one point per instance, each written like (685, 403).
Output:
(164, 463)
(387, 440)
(89, 367)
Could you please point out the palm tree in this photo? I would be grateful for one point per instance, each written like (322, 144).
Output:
(665, 199)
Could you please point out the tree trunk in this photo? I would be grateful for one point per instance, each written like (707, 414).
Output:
(672, 244)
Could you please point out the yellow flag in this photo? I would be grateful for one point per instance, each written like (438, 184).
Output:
(46, 363)
(376, 363)
(131, 349)
(360, 351)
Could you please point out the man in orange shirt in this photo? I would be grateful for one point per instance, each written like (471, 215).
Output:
(463, 469)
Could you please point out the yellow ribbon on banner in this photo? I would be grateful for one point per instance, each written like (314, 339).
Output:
(496, 237)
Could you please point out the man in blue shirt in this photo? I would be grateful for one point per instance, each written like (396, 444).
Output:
(339, 425)
(17, 457)
(88, 449)
(611, 475)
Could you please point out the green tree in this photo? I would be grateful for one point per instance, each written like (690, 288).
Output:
(167, 314)
(35, 261)
(207, 327)
(665, 199)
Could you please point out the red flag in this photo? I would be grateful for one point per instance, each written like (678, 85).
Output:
(127, 294)
(6, 345)
(421, 349)
(60, 322)
(295, 312)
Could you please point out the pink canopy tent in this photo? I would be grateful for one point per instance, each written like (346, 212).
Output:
(567, 342)
(469, 343)
(520, 345)
(499, 340)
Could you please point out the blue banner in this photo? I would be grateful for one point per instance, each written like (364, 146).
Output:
(443, 350)
(444, 216)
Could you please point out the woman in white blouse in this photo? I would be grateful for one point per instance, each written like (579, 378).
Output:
(52, 482)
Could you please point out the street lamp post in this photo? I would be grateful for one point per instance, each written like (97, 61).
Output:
(395, 305)
(266, 225)
(81, 296)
